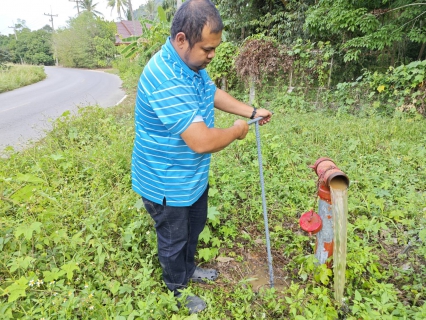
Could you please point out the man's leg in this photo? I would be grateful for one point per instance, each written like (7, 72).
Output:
(171, 224)
(197, 221)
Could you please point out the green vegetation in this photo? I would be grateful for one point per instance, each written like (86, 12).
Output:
(90, 7)
(16, 76)
(77, 243)
(28, 47)
(140, 49)
(145, 46)
(87, 43)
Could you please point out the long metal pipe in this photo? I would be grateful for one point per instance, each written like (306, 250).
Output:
(265, 213)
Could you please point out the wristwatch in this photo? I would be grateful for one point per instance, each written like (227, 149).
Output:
(254, 113)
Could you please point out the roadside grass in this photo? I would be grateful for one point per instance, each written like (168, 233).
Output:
(77, 244)
(17, 76)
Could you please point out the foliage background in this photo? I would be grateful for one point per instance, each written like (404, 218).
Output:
(88, 42)
(30, 47)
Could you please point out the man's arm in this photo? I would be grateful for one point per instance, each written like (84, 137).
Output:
(203, 139)
(225, 102)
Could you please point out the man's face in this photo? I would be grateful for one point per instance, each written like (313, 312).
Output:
(202, 52)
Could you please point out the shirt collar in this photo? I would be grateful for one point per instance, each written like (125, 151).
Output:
(168, 47)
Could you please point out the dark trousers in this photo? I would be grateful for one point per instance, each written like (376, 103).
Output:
(178, 229)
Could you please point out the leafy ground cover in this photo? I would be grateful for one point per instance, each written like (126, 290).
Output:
(16, 76)
(77, 244)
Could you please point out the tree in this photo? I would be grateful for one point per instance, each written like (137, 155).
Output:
(88, 42)
(385, 30)
(47, 28)
(280, 19)
(31, 47)
(35, 47)
(131, 10)
(89, 6)
(222, 68)
(119, 5)
(20, 25)
(150, 10)
(261, 58)
(4, 57)
(169, 7)
(128, 13)
(283, 20)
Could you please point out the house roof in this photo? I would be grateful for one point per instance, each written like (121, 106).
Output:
(125, 29)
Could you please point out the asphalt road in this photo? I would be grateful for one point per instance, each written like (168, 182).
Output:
(26, 113)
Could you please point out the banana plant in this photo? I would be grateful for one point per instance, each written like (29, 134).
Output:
(154, 34)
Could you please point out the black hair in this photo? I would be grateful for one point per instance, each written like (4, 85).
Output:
(191, 18)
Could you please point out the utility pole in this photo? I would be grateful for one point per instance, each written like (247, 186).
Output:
(53, 31)
(16, 38)
(51, 18)
(14, 30)
(78, 6)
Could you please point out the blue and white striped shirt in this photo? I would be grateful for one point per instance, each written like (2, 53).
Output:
(170, 96)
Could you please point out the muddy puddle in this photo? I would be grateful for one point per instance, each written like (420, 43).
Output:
(259, 279)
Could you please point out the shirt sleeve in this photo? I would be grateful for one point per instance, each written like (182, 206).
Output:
(176, 104)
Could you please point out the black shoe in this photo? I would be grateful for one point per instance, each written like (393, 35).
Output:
(201, 275)
(194, 304)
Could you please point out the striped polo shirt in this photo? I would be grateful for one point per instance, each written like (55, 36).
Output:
(170, 97)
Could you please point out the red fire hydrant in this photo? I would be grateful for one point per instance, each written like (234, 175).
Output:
(321, 224)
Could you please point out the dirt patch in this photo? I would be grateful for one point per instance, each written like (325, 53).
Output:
(251, 267)
(252, 270)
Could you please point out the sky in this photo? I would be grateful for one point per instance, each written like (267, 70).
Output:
(32, 11)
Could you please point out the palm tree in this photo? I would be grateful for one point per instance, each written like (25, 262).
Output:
(169, 7)
(129, 2)
(120, 5)
(150, 9)
(89, 6)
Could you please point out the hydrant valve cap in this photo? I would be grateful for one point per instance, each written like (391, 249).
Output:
(310, 222)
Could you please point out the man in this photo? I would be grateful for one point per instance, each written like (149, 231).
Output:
(175, 135)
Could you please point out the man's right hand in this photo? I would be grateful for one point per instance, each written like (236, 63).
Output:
(244, 128)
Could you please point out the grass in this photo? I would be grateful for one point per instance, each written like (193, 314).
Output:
(77, 244)
(17, 76)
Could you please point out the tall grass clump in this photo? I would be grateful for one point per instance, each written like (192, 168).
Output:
(16, 76)
(129, 71)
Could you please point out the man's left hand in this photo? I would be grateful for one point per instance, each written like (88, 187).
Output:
(265, 114)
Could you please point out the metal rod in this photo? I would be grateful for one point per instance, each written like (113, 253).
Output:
(265, 213)
(255, 120)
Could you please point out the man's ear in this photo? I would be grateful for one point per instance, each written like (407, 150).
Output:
(180, 39)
